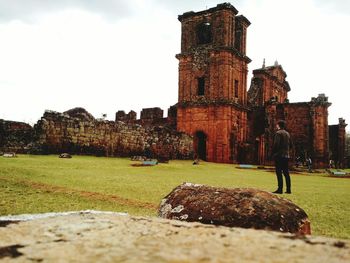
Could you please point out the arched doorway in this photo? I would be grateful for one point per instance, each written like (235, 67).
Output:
(200, 143)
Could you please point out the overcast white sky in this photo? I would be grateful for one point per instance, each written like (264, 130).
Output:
(109, 55)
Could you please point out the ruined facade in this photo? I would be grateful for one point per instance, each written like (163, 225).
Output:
(306, 121)
(231, 124)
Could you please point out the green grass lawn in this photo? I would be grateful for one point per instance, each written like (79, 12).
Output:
(36, 184)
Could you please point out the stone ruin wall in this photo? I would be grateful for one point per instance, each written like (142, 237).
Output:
(15, 136)
(64, 132)
(78, 132)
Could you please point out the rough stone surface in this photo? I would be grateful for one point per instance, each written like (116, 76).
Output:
(149, 117)
(268, 84)
(79, 113)
(15, 136)
(237, 207)
(75, 132)
(108, 237)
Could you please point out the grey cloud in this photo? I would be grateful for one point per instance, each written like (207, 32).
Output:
(28, 10)
(181, 6)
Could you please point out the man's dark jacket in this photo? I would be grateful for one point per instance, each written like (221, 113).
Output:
(282, 144)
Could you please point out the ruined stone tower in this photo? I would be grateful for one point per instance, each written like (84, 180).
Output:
(213, 67)
(268, 85)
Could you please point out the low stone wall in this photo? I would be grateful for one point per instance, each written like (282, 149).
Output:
(80, 133)
(89, 236)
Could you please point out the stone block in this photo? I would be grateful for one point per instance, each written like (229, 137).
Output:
(237, 207)
(96, 236)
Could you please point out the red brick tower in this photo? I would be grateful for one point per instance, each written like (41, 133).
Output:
(213, 67)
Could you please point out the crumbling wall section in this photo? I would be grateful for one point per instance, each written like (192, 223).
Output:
(337, 143)
(149, 117)
(63, 132)
(15, 136)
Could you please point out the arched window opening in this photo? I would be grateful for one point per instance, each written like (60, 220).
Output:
(204, 33)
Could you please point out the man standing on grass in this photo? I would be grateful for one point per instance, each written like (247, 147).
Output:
(280, 152)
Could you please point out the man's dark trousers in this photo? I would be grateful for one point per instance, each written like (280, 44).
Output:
(281, 164)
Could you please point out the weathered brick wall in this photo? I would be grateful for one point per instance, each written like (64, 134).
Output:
(226, 29)
(321, 136)
(220, 70)
(337, 144)
(347, 150)
(149, 117)
(60, 132)
(268, 84)
(300, 125)
(127, 118)
(334, 143)
(307, 123)
(225, 128)
(15, 136)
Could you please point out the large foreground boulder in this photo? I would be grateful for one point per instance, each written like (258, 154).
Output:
(237, 207)
(111, 237)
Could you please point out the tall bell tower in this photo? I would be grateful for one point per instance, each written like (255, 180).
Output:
(213, 68)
